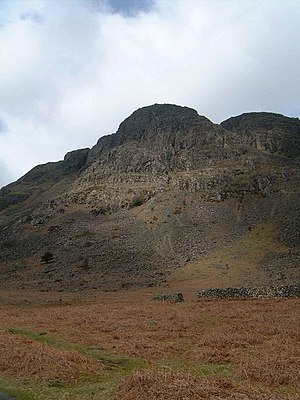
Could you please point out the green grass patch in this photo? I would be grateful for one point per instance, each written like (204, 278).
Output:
(18, 390)
(103, 389)
(89, 386)
(41, 337)
(114, 361)
(258, 238)
(99, 353)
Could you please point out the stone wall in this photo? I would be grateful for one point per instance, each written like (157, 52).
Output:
(266, 292)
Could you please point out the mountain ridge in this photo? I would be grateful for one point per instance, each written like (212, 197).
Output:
(166, 191)
(104, 141)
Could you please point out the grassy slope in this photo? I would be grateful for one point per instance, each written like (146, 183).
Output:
(230, 265)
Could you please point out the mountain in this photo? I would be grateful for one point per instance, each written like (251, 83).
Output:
(170, 199)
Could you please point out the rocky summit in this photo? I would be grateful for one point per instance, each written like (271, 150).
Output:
(170, 199)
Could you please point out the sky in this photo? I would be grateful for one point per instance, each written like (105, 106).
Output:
(72, 70)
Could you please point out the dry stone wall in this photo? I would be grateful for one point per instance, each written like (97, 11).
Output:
(266, 292)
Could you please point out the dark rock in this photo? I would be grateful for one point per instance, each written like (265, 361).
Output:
(47, 257)
(10, 199)
(270, 132)
(75, 160)
(174, 297)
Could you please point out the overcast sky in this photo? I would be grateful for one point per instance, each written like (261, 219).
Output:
(72, 70)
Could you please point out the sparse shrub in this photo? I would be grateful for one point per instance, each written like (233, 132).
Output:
(54, 228)
(55, 383)
(85, 233)
(136, 202)
(99, 211)
(85, 265)
(47, 257)
(177, 210)
(8, 244)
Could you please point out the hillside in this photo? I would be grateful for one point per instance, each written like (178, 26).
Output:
(169, 199)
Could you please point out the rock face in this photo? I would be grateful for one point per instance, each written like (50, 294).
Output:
(167, 188)
(269, 132)
(75, 160)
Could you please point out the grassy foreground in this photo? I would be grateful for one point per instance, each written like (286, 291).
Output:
(143, 350)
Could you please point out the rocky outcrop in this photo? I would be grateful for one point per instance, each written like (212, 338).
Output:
(169, 186)
(10, 199)
(42, 177)
(273, 133)
(173, 297)
(262, 120)
(75, 160)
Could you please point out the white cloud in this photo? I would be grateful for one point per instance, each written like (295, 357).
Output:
(69, 74)
(5, 175)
